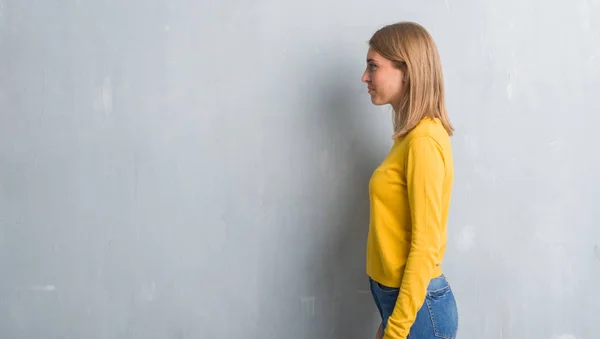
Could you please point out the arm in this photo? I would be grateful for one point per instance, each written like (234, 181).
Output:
(425, 172)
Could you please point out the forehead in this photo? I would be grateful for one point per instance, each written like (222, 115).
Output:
(372, 55)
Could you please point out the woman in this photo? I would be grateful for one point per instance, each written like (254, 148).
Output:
(410, 190)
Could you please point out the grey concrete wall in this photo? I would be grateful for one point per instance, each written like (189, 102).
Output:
(198, 169)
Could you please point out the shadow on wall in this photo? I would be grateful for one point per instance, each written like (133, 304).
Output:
(340, 273)
(314, 284)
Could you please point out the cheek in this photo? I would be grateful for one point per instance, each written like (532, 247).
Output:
(379, 83)
(395, 88)
(383, 86)
(392, 88)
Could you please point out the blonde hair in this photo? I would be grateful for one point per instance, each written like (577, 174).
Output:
(413, 50)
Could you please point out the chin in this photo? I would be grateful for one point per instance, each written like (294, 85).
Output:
(377, 102)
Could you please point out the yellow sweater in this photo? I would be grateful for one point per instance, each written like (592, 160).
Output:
(410, 197)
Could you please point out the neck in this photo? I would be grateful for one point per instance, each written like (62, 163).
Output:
(396, 107)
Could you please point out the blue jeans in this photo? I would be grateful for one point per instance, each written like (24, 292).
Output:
(437, 318)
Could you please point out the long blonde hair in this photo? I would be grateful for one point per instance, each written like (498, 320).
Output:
(413, 50)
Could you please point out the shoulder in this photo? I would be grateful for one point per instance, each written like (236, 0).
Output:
(429, 130)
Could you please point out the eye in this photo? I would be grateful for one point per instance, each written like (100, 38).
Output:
(372, 67)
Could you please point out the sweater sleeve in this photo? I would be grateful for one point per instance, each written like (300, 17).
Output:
(425, 172)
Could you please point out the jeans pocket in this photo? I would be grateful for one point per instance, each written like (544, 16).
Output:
(387, 289)
(443, 312)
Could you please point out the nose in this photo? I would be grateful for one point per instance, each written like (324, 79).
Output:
(365, 77)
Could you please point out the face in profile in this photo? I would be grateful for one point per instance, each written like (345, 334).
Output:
(385, 81)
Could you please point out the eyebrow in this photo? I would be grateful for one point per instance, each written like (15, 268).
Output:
(370, 60)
